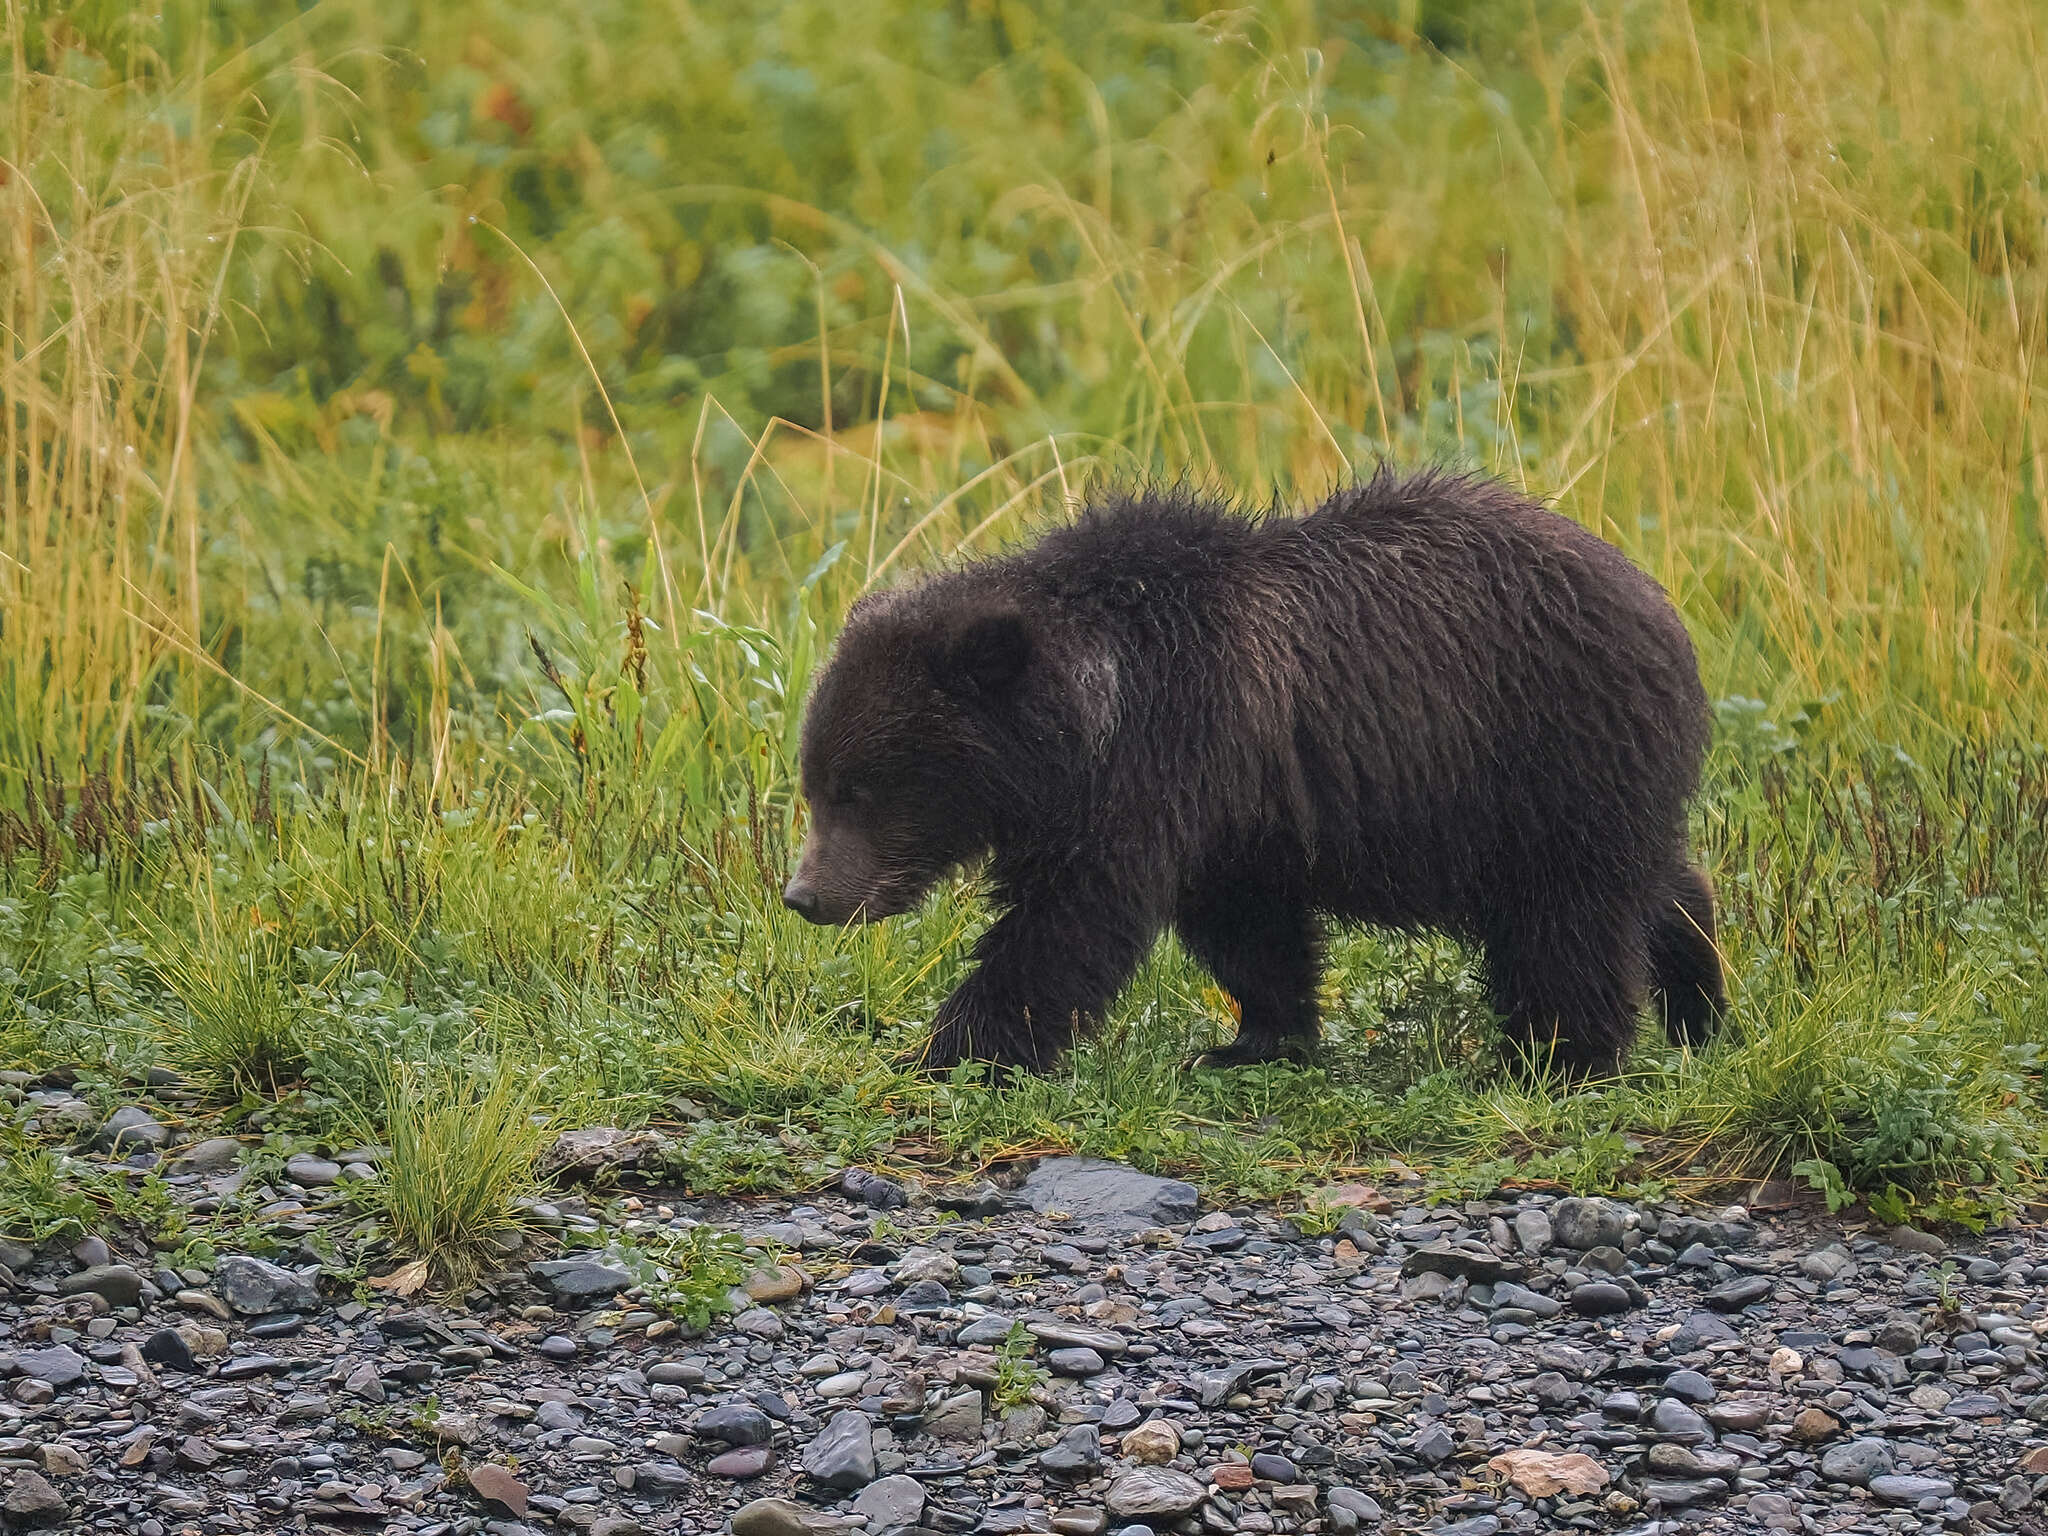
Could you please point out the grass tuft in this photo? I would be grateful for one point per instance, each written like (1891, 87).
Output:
(463, 1143)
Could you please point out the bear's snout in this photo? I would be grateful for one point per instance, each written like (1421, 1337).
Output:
(801, 898)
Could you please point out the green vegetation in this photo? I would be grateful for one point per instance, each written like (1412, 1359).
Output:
(688, 1275)
(439, 443)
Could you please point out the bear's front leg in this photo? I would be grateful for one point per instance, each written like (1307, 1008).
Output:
(1045, 969)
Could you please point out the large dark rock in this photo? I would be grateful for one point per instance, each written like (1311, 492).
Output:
(255, 1286)
(842, 1455)
(1106, 1194)
(579, 1280)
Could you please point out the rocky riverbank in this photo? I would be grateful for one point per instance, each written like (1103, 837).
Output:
(1091, 1350)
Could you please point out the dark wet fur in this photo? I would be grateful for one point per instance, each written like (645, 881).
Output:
(1430, 703)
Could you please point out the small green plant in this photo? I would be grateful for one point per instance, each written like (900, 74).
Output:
(1946, 1278)
(1891, 1205)
(41, 1199)
(1317, 1218)
(1827, 1181)
(688, 1275)
(1018, 1373)
(882, 1229)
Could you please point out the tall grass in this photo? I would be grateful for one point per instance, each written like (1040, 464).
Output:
(439, 446)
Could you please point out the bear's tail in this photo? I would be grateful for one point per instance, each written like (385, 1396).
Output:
(1685, 967)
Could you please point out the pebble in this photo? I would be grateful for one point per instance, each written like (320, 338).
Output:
(577, 1281)
(843, 1454)
(734, 1424)
(741, 1462)
(499, 1489)
(131, 1129)
(1146, 1493)
(254, 1287)
(1599, 1298)
(1201, 1375)
(891, 1503)
(1856, 1461)
(1910, 1490)
(1153, 1443)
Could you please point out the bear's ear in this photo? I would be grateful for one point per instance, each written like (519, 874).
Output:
(987, 653)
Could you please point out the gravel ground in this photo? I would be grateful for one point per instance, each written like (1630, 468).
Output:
(1524, 1363)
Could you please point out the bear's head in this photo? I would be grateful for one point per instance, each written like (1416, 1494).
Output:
(945, 713)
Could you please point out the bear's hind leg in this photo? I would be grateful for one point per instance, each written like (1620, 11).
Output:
(1265, 949)
(1685, 967)
(1570, 986)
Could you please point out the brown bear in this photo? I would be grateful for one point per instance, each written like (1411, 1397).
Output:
(1430, 703)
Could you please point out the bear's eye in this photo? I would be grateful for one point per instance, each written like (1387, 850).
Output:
(854, 792)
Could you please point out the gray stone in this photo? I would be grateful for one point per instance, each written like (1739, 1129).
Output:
(1154, 1493)
(891, 1503)
(1077, 1456)
(1737, 1294)
(1599, 1298)
(780, 1517)
(1857, 1461)
(32, 1500)
(1533, 1232)
(1910, 1490)
(1584, 1224)
(579, 1280)
(734, 1424)
(1480, 1265)
(1109, 1195)
(119, 1283)
(1434, 1445)
(217, 1154)
(842, 1455)
(312, 1172)
(989, 1328)
(1076, 1362)
(1689, 1387)
(131, 1129)
(58, 1366)
(1673, 1420)
(255, 1286)
(1478, 1525)
(592, 1149)
(956, 1418)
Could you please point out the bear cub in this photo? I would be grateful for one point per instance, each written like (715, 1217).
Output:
(1429, 703)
